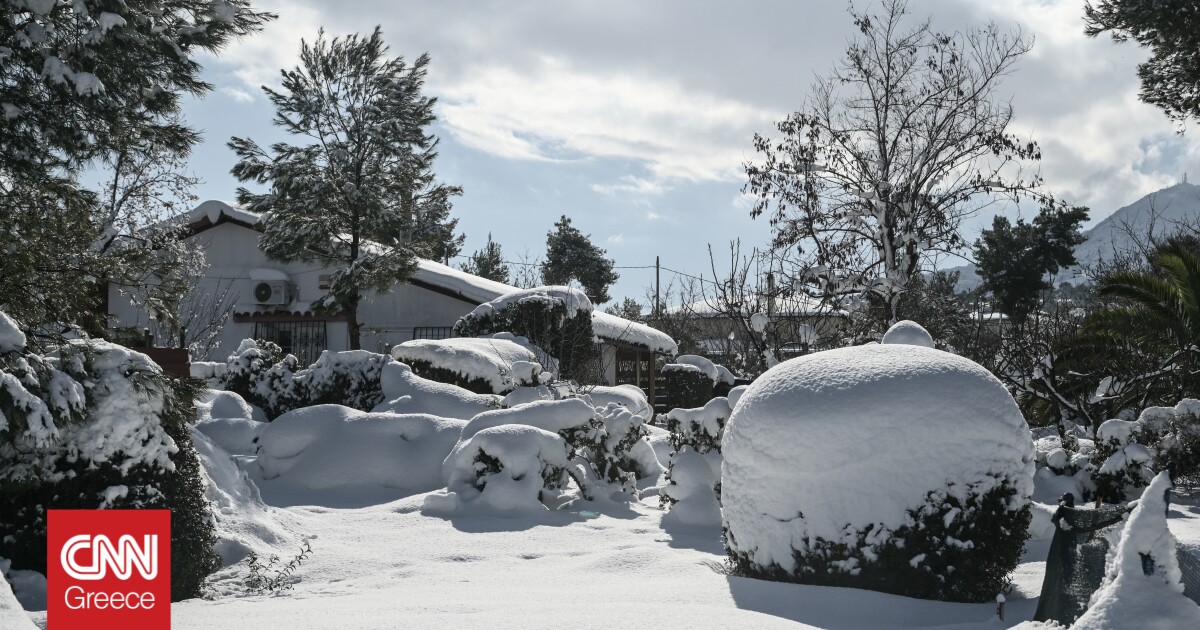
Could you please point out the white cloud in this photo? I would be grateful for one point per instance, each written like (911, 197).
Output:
(629, 184)
(237, 94)
(615, 239)
(558, 112)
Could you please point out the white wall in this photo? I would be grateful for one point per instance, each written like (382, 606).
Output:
(232, 251)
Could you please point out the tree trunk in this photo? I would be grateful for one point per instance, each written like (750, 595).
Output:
(352, 325)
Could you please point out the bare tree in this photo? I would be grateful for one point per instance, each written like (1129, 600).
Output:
(527, 271)
(903, 140)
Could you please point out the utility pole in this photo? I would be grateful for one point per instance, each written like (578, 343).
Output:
(657, 277)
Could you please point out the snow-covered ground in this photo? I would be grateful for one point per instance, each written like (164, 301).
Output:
(389, 566)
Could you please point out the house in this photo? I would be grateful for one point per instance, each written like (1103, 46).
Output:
(267, 299)
(795, 325)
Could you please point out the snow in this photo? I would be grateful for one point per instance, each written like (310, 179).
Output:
(243, 522)
(630, 396)
(525, 455)
(574, 300)
(708, 367)
(619, 330)
(490, 360)
(12, 615)
(108, 21)
(702, 424)
(28, 587)
(338, 456)
(554, 416)
(11, 337)
(1130, 599)
(229, 421)
(473, 288)
(908, 332)
(405, 392)
(693, 478)
(857, 437)
(758, 322)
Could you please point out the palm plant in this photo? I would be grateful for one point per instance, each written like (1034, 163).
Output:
(1156, 313)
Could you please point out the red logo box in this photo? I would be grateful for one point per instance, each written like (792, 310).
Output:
(108, 569)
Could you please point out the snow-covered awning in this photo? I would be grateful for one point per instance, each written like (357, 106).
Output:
(623, 331)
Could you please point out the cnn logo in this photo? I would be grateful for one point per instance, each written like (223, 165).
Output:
(109, 569)
(122, 557)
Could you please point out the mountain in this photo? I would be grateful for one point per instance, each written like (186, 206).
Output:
(1159, 213)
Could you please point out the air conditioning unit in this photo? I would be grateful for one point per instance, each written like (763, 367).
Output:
(277, 292)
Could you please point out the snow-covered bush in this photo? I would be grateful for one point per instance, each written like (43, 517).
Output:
(246, 369)
(1174, 434)
(336, 455)
(1119, 461)
(700, 428)
(349, 378)
(908, 332)
(616, 458)
(96, 425)
(630, 396)
(687, 385)
(261, 374)
(890, 467)
(405, 392)
(691, 494)
(693, 480)
(558, 320)
(484, 366)
(1128, 597)
(506, 468)
(605, 446)
(229, 421)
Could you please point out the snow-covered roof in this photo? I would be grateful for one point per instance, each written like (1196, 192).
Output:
(215, 211)
(469, 286)
(620, 330)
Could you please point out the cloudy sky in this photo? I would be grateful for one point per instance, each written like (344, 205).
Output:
(634, 118)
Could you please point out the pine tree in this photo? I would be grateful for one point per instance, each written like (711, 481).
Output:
(570, 255)
(353, 196)
(488, 262)
(1171, 30)
(80, 83)
(1015, 261)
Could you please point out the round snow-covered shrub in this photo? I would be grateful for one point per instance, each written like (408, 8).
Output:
(556, 319)
(890, 467)
(571, 419)
(907, 332)
(506, 468)
(1174, 434)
